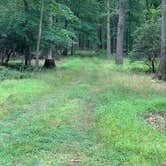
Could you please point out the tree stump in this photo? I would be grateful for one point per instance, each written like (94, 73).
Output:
(49, 63)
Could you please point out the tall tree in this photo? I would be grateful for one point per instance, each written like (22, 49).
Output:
(162, 70)
(26, 51)
(120, 34)
(108, 30)
(39, 34)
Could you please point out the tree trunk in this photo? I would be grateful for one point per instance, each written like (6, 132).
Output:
(108, 30)
(153, 66)
(72, 49)
(27, 56)
(100, 45)
(26, 52)
(8, 55)
(162, 69)
(79, 41)
(3, 53)
(49, 61)
(120, 35)
(39, 34)
(65, 51)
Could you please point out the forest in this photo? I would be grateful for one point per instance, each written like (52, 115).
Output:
(83, 82)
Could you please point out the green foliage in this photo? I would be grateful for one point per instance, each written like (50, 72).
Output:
(17, 27)
(74, 22)
(147, 42)
(57, 34)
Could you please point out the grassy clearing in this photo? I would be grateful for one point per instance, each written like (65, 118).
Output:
(86, 112)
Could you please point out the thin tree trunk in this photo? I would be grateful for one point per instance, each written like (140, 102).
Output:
(27, 56)
(100, 29)
(8, 55)
(1, 55)
(39, 34)
(162, 69)
(120, 35)
(65, 51)
(26, 52)
(108, 30)
(49, 56)
(72, 49)
(100, 46)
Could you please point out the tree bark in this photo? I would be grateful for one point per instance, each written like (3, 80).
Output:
(120, 34)
(39, 34)
(162, 69)
(108, 30)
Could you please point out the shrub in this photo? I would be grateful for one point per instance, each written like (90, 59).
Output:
(147, 43)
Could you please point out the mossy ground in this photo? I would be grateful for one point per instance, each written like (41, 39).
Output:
(86, 112)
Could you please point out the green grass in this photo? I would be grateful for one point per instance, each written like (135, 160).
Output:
(87, 109)
(11, 74)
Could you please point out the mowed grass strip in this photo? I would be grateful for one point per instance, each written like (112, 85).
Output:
(87, 112)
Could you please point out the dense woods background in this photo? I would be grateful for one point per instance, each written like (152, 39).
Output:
(53, 28)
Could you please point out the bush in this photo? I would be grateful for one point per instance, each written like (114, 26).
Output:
(147, 43)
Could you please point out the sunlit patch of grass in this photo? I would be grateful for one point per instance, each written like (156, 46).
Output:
(14, 93)
(73, 63)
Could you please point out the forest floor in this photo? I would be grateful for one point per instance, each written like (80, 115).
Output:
(87, 112)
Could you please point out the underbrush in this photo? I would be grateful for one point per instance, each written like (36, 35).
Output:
(6, 73)
(139, 67)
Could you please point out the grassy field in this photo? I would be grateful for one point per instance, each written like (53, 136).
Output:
(87, 112)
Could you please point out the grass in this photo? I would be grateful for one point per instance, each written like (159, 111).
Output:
(88, 110)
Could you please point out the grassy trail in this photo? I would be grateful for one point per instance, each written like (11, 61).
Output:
(88, 112)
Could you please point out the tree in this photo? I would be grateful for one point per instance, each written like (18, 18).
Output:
(147, 40)
(17, 29)
(162, 69)
(120, 34)
(108, 30)
(49, 61)
(39, 34)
